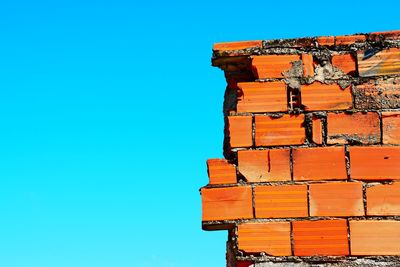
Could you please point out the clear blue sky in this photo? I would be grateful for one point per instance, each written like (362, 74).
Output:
(108, 111)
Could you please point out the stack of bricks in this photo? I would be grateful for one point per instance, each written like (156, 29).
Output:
(312, 155)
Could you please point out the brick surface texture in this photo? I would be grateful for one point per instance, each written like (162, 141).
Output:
(311, 167)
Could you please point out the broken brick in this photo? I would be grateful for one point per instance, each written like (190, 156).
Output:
(264, 165)
(345, 62)
(220, 171)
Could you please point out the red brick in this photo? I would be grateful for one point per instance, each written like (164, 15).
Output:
(281, 201)
(319, 163)
(272, 66)
(290, 43)
(237, 45)
(273, 238)
(240, 131)
(317, 130)
(363, 128)
(388, 35)
(375, 163)
(324, 237)
(262, 97)
(265, 165)
(383, 200)
(378, 94)
(336, 199)
(349, 39)
(326, 40)
(385, 62)
(308, 65)
(374, 237)
(345, 63)
(286, 130)
(320, 96)
(228, 203)
(220, 171)
(391, 127)
(244, 263)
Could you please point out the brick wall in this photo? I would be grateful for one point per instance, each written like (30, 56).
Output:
(312, 134)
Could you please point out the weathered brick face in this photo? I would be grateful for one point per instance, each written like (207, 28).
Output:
(312, 151)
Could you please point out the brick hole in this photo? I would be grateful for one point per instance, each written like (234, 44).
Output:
(294, 98)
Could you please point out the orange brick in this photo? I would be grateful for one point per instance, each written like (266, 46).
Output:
(383, 200)
(374, 237)
(385, 62)
(361, 128)
(265, 165)
(308, 65)
(391, 128)
(273, 238)
(221, 172)
(320, 96)
(319, 163)
(317, 130)
(326, 40)
(336, 199)
(349, 39)
(377, 95)
(388, 35)
(286, 130)
(325, 237)
(227, 46)
(375, 163)
(228, 203)
(272, 66)
(262, 97)
(240, 131)
(345, 63)
(281, 201)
